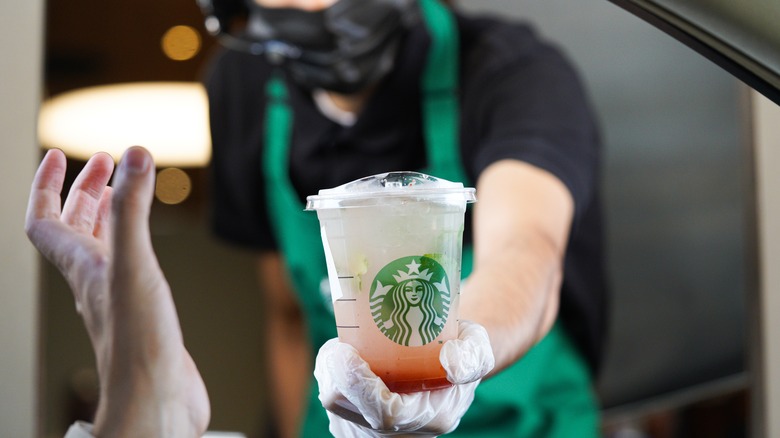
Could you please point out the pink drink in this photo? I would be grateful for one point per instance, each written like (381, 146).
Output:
(393, 248)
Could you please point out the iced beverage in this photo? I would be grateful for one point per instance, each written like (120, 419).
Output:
(393, 249)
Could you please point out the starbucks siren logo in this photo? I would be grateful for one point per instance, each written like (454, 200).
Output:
(410, 300)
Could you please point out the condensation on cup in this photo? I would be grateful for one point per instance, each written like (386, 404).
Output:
(393, 249)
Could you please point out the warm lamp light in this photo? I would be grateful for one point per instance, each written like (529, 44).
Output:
(170, 119)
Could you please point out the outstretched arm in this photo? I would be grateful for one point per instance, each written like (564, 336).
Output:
(521, 228)
(509, 303)
(100, 242)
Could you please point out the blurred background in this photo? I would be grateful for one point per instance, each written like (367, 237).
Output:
(676, 182)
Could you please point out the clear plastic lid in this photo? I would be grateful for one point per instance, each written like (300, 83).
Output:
(400, 184)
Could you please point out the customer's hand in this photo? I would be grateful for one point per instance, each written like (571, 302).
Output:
(100, 242)
(359, 403)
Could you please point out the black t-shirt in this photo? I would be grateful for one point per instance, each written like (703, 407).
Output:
(519, 99)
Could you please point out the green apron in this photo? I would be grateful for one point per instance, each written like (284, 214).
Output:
(545, 394)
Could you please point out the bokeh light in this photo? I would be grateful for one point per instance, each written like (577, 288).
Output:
(173, 186)
(181, 43)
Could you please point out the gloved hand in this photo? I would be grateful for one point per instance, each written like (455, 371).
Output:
(359, 403)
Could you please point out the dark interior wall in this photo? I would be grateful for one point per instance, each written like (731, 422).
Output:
(90, 42)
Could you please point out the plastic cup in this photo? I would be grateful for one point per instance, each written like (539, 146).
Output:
(393, 249)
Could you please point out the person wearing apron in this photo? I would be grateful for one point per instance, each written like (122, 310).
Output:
(547, 393)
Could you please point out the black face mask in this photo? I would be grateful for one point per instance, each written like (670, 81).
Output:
(344, 48)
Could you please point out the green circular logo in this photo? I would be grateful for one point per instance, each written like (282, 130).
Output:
(410, 300)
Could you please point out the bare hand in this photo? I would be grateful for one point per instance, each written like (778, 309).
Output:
(101, 244)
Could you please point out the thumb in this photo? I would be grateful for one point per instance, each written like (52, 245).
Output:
(133, 193)
(470, 357)
(137, 279)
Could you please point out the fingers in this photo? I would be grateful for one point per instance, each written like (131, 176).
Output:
(131, 204)
(335, 361)
(43, 208)
(102, 230)
(351, 391)
(143, 315)
(470, 357)
(44, 199)
(81, 208)
(340, 427)
(65, 238)
(141, 298)
(52, 230)
(134, 186)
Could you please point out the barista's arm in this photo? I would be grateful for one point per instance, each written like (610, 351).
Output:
(521, 227)
(288, 349)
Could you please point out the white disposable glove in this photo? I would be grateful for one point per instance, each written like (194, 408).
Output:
(360, 405)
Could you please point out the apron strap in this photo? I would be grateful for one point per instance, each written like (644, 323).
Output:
(278, 133)
(440, 107)
(439, 83)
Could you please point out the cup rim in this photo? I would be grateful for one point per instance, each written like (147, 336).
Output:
(396, 184)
